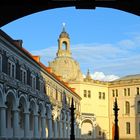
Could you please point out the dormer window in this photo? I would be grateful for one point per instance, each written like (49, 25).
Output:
(11, 69)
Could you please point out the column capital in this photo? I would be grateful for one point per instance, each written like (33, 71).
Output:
(49, 118)
(26, 112)
(35, 114)
(15, 110)
(43, 116)
(3, 106)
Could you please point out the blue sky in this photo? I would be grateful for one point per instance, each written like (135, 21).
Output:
(106, 41)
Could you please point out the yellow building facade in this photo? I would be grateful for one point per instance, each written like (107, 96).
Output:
(97, 116)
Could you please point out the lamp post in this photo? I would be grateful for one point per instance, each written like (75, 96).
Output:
(116, 109)
(72, 136)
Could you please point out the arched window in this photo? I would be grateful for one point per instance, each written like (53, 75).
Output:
(138, 106)
(64, 45)
(127, 107)
(11, 69)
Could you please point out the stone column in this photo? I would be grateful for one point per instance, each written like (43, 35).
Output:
(94, 132)
(55, 129)
(43, 126)
(50, 128)
(78, 131)
(15, 123)
(3, 122)
(64, 128)
(68, 130)
(26, 125)
(36, 126)
(75, 130)
(60, 127)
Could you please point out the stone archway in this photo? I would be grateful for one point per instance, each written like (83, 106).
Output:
(87, 128)
(23, 116)
(41, 120)
(33, 118)
(2, 115)
(12, 116)
(49, 133)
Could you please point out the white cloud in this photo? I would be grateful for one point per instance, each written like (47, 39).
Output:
(102, 77)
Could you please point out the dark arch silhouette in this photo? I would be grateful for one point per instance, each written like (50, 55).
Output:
(11, 10)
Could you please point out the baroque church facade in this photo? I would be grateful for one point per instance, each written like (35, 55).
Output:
(35, 99)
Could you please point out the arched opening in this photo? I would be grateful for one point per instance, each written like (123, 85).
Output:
(87, 129)
(11, 115)
(41, 121)
(33, 123)
(2, 108)
(48, 122)
(23, 121)
(64, 45)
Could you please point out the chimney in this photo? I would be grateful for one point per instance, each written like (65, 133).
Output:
(18, 43)
(36, 58)
(49, 69)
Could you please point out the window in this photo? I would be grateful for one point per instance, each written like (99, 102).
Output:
(128, 91)
(85, 93)
(100, 133)
(33, 81)
(23, 76)
(127, 127)
(113, 93)
(41, 86)
(89, 93)
(64, 45)
(138, 107)
(116, 93)
(138, 92)
(125, 92)
(100, 95)
(127, 107)
(103, 95)
(0, 62)
(11, 69)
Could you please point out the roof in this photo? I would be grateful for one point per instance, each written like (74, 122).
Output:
(128, 77)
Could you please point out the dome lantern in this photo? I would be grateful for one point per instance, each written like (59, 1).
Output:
(63, 44)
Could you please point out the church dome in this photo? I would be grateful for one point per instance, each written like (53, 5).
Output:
(66, 67)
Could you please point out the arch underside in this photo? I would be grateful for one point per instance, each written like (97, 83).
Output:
(8, 9)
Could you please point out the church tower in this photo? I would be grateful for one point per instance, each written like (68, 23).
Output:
(63, 44)
(64, 65)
